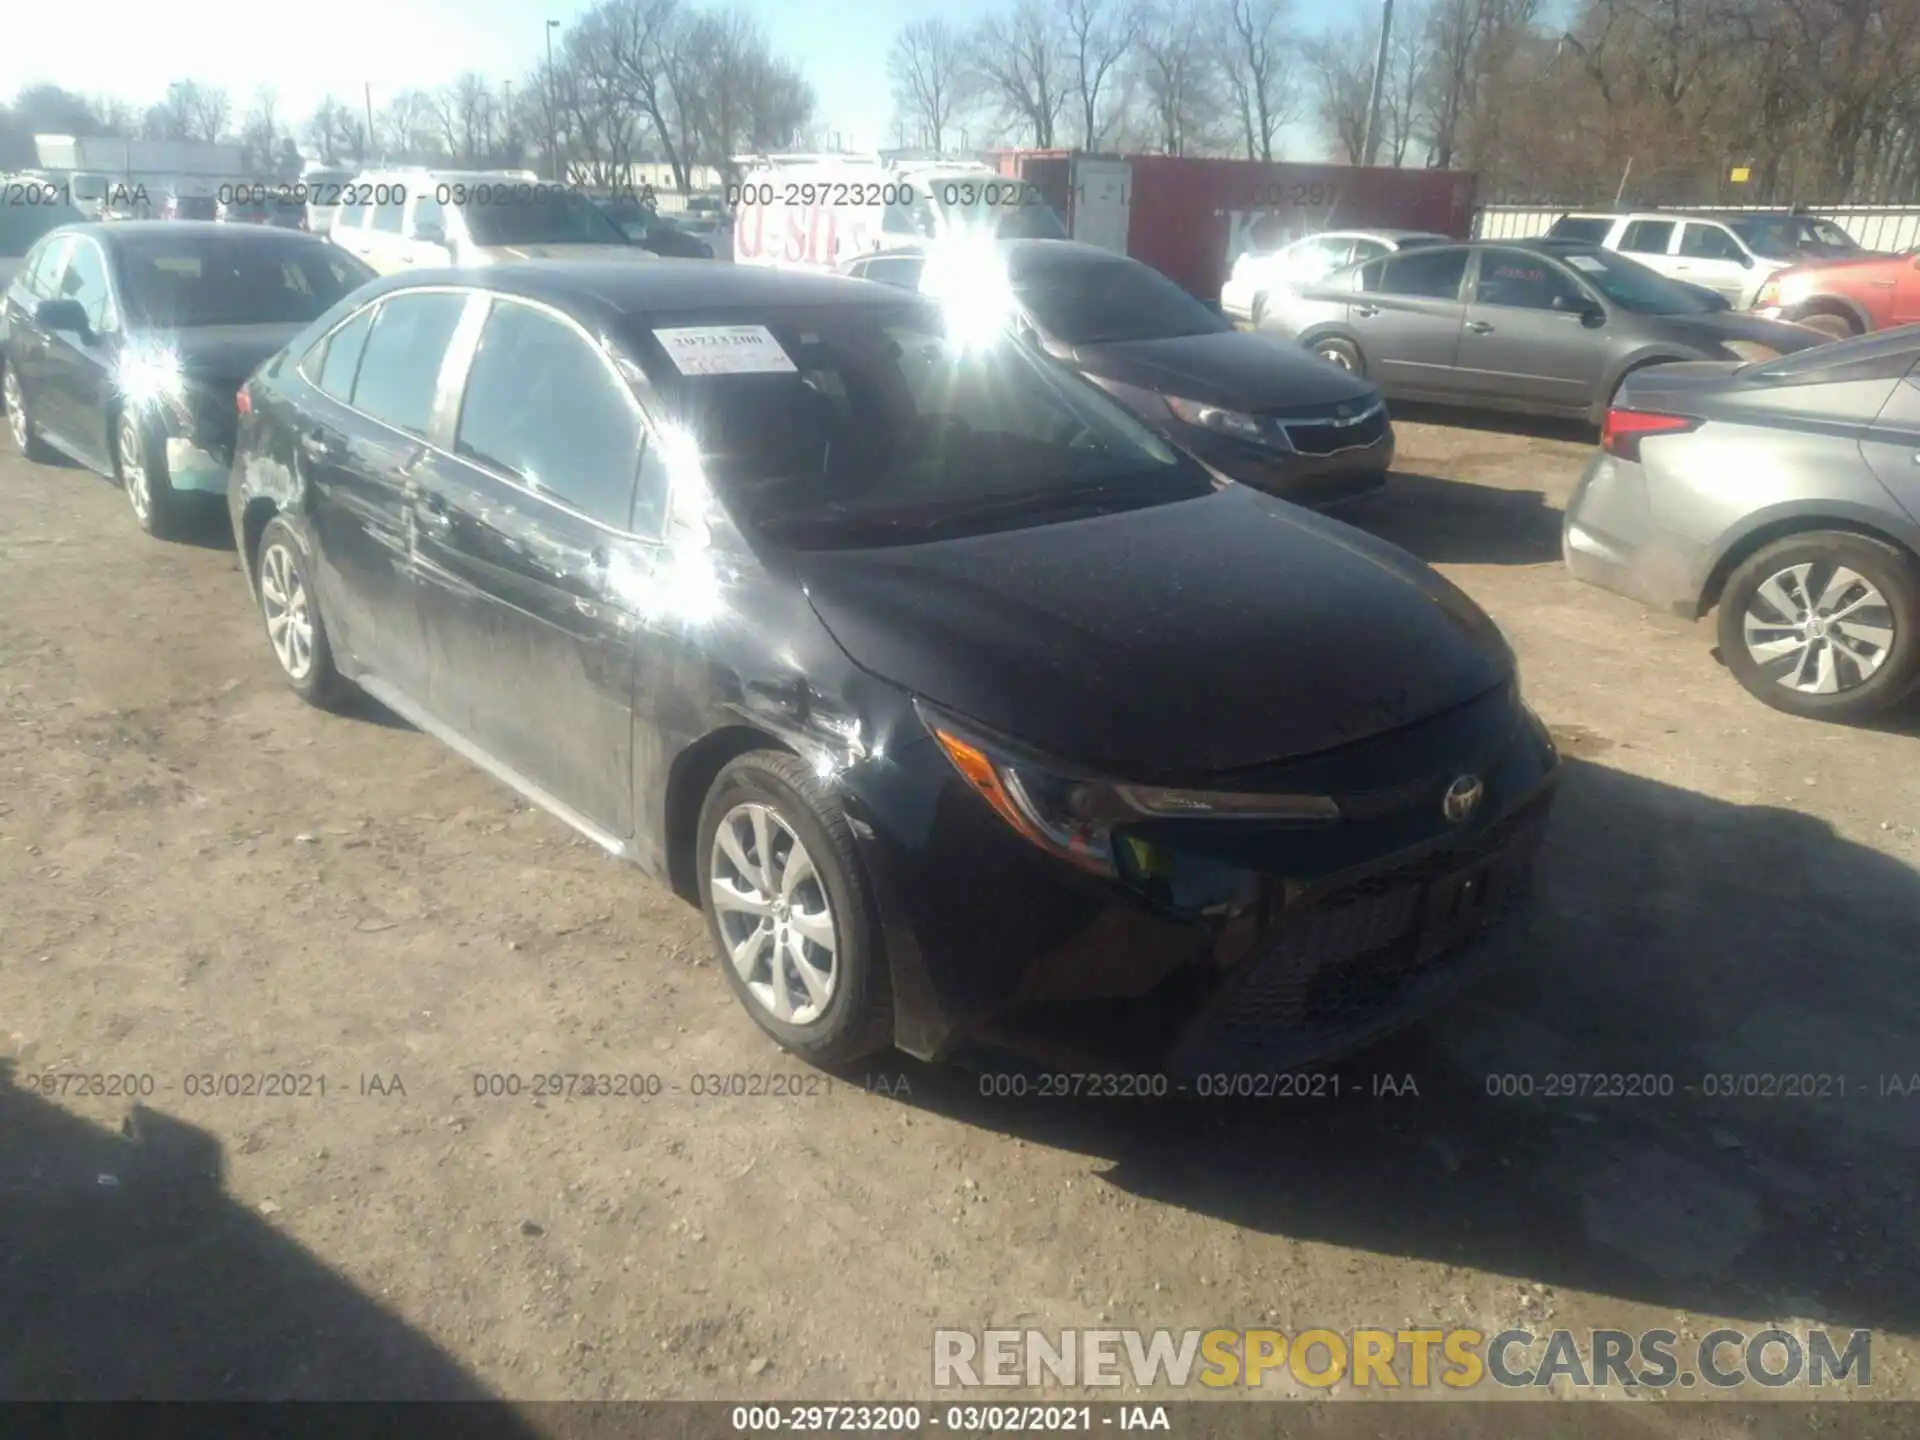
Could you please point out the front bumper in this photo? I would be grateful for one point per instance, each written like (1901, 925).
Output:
(1251, 946)
(1610, 538)
(1315, 480)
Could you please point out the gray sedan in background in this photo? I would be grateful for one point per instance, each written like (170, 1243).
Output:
(1542, 327)
(1785, 494)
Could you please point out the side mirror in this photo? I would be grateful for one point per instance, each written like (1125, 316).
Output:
(62, 315)
(1591, 314)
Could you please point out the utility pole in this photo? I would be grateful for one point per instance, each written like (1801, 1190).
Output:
(369, 97)
(553, 145)
(1375, 95)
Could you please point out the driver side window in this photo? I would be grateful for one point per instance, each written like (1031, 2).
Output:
(1525, 282)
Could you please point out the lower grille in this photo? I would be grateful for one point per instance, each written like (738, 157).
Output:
(1343, 959)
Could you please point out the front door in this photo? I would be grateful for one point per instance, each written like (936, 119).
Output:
(77, 365)
(1707, 254)
(1527, 338)
(534, 558)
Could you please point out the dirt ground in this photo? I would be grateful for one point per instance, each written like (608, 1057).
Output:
(201, 877)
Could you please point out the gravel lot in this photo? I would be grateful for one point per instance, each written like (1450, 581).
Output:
(201, 876)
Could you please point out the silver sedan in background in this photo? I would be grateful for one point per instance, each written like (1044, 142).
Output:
(1786, 495)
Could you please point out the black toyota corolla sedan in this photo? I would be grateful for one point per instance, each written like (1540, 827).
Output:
(1251, 407)
(967, 708)
(125, 343)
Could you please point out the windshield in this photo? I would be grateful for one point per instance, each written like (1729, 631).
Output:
(178, 284)
(1632, 286)
(1099, 302)
(1781, 237)
(22, 224)
(527, 214)
(885, 429)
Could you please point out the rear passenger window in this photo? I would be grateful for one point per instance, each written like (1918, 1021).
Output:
(1647, 237)
(1423, 274)
(400, 364)
(351, 217)
(1709, 242)
(543, 406)
(336, 360)
(388, 214)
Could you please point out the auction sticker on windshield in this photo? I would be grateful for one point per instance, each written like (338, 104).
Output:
(1587, 263)
(725, 350)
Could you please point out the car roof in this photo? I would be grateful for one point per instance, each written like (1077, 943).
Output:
(120, 230)
(652, 285)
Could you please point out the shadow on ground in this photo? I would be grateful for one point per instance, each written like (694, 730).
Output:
(1455, 522)
(1502, 422)
(127, 1272)
(1700, 945)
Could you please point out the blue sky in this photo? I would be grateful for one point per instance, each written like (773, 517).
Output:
(133, 47)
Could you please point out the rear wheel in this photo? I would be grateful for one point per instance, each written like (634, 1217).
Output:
(292, 615)
(26, 439)
(790, 913)
(1339, 352)
(1834, 327)
(1824, 625)
(141, 461)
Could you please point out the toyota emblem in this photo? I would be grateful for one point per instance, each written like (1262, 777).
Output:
(1462, 798)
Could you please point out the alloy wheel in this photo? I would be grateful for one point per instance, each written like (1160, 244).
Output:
(16, 411)
(133, 469)
(775, 919)
(1821, 629)
(283, 600)
(1336, 357)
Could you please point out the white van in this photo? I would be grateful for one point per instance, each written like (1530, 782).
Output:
(818, 212)
(398, 220)
(322, 187)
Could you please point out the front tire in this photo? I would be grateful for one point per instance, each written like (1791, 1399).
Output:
(26, 438)
(291, 613)
(790, 911)
(1834, 327)
(140, 462)
(1824, 625)
(1343, 353)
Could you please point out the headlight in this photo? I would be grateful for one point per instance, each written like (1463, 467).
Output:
(1212, 417)
(1769, 295)
(1074, 816)
(1751, 351)
(150, 375)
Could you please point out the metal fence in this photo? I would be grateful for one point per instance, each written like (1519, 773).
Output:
(1877, 227)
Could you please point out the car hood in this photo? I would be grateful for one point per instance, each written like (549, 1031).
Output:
(1233, 369)
(1721, 326)
(1802, 265)
(502, 254)
(1185, 639)
(228, 352)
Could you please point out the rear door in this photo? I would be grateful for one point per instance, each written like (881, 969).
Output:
(1408, 316)
(1650, 242)
(358, 450)
(423, 240)
(1707, 254)
(74, 383)
(533, 555)
(1527, 340)
(383, 239)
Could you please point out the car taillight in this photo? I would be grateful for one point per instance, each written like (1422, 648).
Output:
(1625, 429)
(243, 401)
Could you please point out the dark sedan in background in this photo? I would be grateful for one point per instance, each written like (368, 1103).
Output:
(835, 620)
(1257, 411)
(1785, 494)
(125, 344)
(1542, 327)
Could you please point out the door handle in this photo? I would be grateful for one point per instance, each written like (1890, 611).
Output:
(323, 447)
(1479, 327)
(431, 511)
(1366, 312)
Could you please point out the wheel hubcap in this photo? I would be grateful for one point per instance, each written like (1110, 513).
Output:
(16, 411)
(133, 469)
(1820, 629)
(283, 600)
(1337, 357)
(775, 919)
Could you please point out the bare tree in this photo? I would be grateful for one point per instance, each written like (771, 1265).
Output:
(1019, 64)
(925, 66)
(1343, 62)
(1255, 50)
(329, 130)
(1180, 76)
(1100, 34)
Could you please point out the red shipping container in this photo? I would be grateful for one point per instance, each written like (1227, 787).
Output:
(1190, 217)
